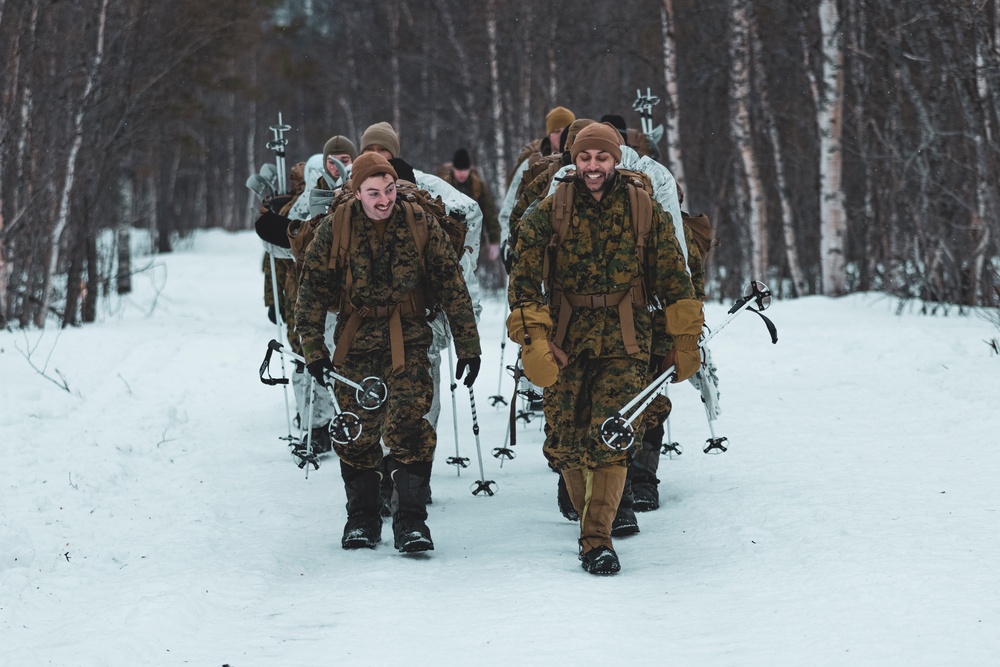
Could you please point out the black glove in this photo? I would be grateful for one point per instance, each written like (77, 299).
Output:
(507, 257)
(472, 363)
(271, 315)
(318, 370)
(278, 202)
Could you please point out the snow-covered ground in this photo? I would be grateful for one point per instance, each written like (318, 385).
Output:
(151, 515)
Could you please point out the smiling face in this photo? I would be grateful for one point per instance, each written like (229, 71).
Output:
(378, 195)
(595, 167)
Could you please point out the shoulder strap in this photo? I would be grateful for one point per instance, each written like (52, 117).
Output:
(562, 214)
(341, 222)
(642, 218)
(417, 220)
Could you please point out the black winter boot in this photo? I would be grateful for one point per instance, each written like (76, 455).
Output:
(565, 504)
(385, 488)
(411, 488)
(642, 471)
(363, 529)
(600, 560)
(625, 522)
(321, 443)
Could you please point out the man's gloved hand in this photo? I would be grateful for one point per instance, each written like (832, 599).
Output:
(318, 370)
(472, 363)
(529, 326)
(684, 322)
(271, 314)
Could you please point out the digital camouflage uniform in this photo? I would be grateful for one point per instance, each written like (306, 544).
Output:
(596, 257)
(383, 273)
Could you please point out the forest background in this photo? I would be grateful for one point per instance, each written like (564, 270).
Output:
(837, 145)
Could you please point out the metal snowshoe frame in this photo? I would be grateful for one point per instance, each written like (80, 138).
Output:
(617, 431)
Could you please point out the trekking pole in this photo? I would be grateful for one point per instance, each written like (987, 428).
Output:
(278, 321)
(278, 146)
(510, 435)
(617, 431)
(370, 393)
(305, 458)
(644, 105)
(489, 487)
(458, 461)
(498, 397)
(669, 447)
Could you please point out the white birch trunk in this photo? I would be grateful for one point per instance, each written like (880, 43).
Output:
(498, 135)
(671, 127)
(62, 215)
(742, 138)
(833, 222)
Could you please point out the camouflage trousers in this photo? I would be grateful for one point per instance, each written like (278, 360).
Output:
(399, 424)
(588, 391)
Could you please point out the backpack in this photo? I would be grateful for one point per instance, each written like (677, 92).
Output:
(532, 152)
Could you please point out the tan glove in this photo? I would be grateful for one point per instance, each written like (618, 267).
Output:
(684, 322)
(529, 325)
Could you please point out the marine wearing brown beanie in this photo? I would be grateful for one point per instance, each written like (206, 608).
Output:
(599, 136)
(557, 119)
(574, 130)
(368, 165)
(381, 134)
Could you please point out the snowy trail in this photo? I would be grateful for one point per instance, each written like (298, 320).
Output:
(153, 517)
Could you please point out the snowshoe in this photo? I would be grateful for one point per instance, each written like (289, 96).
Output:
(600, 560)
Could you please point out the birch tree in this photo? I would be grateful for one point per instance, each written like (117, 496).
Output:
(756, 205)
(833, 225)
(671, 136)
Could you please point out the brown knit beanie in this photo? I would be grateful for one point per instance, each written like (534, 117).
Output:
(381, 134)
(574, 130)
(368, 165)
(599, 136)
(557, 119)
(339, 145)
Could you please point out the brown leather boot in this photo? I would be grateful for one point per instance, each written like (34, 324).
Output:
(603, 494)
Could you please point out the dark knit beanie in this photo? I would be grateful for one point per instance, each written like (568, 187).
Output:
(617, 121)
(368, 165)
(461, 159)
(381, 134)
(598, 136)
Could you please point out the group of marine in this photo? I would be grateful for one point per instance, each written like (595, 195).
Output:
(605, 290)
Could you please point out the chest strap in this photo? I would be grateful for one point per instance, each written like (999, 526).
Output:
(567, 302)
(412, 307)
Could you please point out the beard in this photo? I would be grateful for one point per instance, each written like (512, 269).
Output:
(596, 180)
